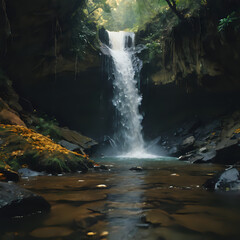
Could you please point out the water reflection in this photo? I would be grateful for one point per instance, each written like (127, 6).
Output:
(164, 201)
(125, 205)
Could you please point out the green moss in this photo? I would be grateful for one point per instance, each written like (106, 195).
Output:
(22, 146)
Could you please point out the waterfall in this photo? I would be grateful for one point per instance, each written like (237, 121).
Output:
(126, 96)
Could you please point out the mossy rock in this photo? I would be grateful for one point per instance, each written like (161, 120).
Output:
(24, 147)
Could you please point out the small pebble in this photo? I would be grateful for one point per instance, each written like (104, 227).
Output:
(104, 234)
(91, 233)
(101, 186)
(81, 180)
(142, 225)
(136, 169)
(175, 174)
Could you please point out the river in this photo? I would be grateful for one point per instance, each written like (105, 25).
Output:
(163, 201)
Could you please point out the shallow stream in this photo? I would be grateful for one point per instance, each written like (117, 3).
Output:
(164, 201)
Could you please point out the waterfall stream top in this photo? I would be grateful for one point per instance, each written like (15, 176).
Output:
(121, 40)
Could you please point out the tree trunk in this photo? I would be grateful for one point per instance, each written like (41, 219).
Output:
(173, 6)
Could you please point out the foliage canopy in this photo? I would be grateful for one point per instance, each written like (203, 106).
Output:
(132, 15)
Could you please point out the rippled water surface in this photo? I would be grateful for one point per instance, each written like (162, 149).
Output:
(164, 201)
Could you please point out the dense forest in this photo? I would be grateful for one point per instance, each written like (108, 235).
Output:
(119, 119)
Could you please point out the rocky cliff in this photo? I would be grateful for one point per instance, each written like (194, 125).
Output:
(190, 82)
(48, 50)
(190, 68)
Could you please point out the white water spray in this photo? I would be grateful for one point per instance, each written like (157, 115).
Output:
(127, 99)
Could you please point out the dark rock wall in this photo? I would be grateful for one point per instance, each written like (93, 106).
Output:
(36, 55)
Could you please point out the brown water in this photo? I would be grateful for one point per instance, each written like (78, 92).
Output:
(165, 201)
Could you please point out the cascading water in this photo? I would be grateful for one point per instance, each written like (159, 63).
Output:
(126, 99)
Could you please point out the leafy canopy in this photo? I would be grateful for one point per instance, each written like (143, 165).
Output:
(132, 15)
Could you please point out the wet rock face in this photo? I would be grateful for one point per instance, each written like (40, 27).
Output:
(16, 201)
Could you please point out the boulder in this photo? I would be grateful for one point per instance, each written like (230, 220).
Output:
(226, 181)
(16, 201)
(205, 157)
(138, 169)
(188, 141)
(209, 156)
(8, 115)
(70, 146)
(188, 144)
(73, 139)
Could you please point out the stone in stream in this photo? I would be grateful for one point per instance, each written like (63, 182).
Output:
(98, 167)
(139, 169)
(205, 157)
(226, 181)
(16, 201)
(86, 222)
(25, 172)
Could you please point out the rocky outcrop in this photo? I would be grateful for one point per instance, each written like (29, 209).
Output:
(225, 181)
(192, 52)
(16, 201)
(9, 105)
(50, 69)
(216, 141)
(75, 141)
(23, 147)
(8, 115)
(189, 69)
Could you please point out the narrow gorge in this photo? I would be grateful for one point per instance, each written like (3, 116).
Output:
(119, 119)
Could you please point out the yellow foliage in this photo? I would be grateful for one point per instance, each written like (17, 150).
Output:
(2, 177)
(36, 141)
(24, 166)
(237, 131)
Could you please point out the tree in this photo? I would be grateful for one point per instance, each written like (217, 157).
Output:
(172, 4)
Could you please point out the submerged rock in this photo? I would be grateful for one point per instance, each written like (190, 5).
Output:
(226, 181)
(136, 168)
(25, 172)
(16, 201)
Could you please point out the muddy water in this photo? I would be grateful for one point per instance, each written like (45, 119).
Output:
(164, 201)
